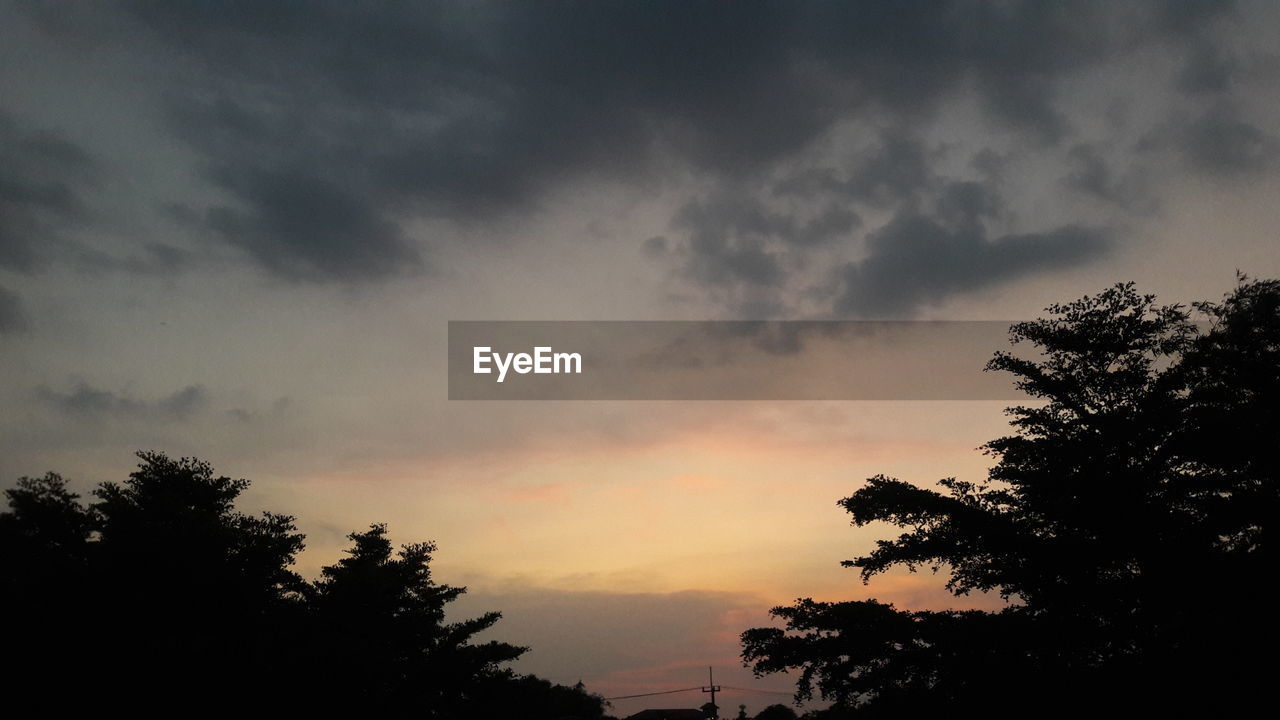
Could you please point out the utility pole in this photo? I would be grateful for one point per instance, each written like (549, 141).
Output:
(713, 688)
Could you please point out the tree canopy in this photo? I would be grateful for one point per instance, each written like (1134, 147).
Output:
(161, 596)
(1126, 521)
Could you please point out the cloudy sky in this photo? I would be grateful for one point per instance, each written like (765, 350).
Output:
(238, 231)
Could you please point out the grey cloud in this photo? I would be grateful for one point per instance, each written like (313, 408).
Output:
(277, 410)
(13, 317)
(299, 214)
(1216, 140)
(895, 169)
(1208, 69)
(328, 129)
(1091, 174)
(303, 226)
(734, 238)
(84, 400)
(148, 258)
(1026, 100)
(833, 222)
(47, 207)
(727, 243)
(656, 246)
(161, 258)
(40, 191)
(1189, 19)
(184, 402)
(990, 164)
(473, 110)
(964, 203)
(917, 260)
(735, 242)
(1220, 142)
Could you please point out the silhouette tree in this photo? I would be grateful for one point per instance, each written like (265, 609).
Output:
(1121, 521)
(527, 697)
(386, 643)
(776, 712)
(44, 574)
(161, 597)
(193, 592)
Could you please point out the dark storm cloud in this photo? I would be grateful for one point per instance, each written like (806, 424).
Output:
(895, 168)
(352, 119)
(13, 318)
(159, 258)
(917, 260)
(729, 237)
(329, 127)
(1208, 69)
(721, 254)
(86, 401)
(44, 176)
(301, 213)
(1217, 140)
(737, 240)
(305, 226)
(1091, 174)
(1220, 142)
(145, 258)
(415, 111)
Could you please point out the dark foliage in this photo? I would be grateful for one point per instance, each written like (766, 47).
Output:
(1127, 521)
(776, 712)
(161, 598)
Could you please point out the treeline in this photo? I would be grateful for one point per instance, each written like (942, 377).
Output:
(1129, 520)
(160, 597)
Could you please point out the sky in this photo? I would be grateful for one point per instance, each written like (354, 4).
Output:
(238, 231)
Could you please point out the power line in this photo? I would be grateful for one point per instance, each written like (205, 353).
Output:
(691, 689)
(753, 690)
(664, 692)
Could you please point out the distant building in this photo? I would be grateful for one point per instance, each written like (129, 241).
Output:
(668, 715)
